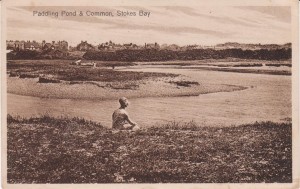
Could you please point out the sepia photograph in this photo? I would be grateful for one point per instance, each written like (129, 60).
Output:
(149, 93)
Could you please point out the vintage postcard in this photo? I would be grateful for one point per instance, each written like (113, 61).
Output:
(150, 94)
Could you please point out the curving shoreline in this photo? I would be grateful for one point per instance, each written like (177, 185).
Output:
(106, 84)
(162, 87)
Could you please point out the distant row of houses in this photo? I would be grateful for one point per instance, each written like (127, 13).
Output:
(82, 46)
(34, 45)
(111, 46)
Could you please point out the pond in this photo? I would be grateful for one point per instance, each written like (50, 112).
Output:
(267, 98)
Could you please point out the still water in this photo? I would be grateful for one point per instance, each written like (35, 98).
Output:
(268, 98)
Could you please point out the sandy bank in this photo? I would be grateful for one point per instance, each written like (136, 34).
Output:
(161, 87)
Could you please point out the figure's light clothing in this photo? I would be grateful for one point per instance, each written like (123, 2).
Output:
(119, 118)
(135, 128)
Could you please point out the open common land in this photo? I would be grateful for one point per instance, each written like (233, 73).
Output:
(73, 150)
(105, 80)
(202, 122)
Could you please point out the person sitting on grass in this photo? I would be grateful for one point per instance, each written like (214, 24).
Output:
(121, 119)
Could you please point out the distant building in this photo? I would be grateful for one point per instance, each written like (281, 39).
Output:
(173, 47)
(85, 46)
(118, 47)
(33, 46)
(152, 46)
(110, 46)
(15, 45)
(36, 46)
(130, 46)
(106, 46)
(60, 45)
(47, 46)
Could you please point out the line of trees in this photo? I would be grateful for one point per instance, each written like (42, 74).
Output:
(146, 55)
(31, 55)
(197, 54)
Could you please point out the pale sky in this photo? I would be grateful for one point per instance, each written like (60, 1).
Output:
(170, 25)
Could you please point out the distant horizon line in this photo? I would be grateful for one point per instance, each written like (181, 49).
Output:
(233, 42)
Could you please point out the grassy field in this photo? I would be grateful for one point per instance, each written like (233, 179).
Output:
(64, 150)
(62, 70)
(60, 79)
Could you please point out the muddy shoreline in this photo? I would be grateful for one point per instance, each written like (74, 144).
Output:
(161, 87)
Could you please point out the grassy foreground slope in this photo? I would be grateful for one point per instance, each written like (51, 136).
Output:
(64, 150)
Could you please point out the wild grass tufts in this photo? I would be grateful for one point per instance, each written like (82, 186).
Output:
(75, 150)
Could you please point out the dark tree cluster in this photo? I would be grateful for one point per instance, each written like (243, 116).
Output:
(145, 55)
(25, 54)
(34, 55)
(196, 54)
